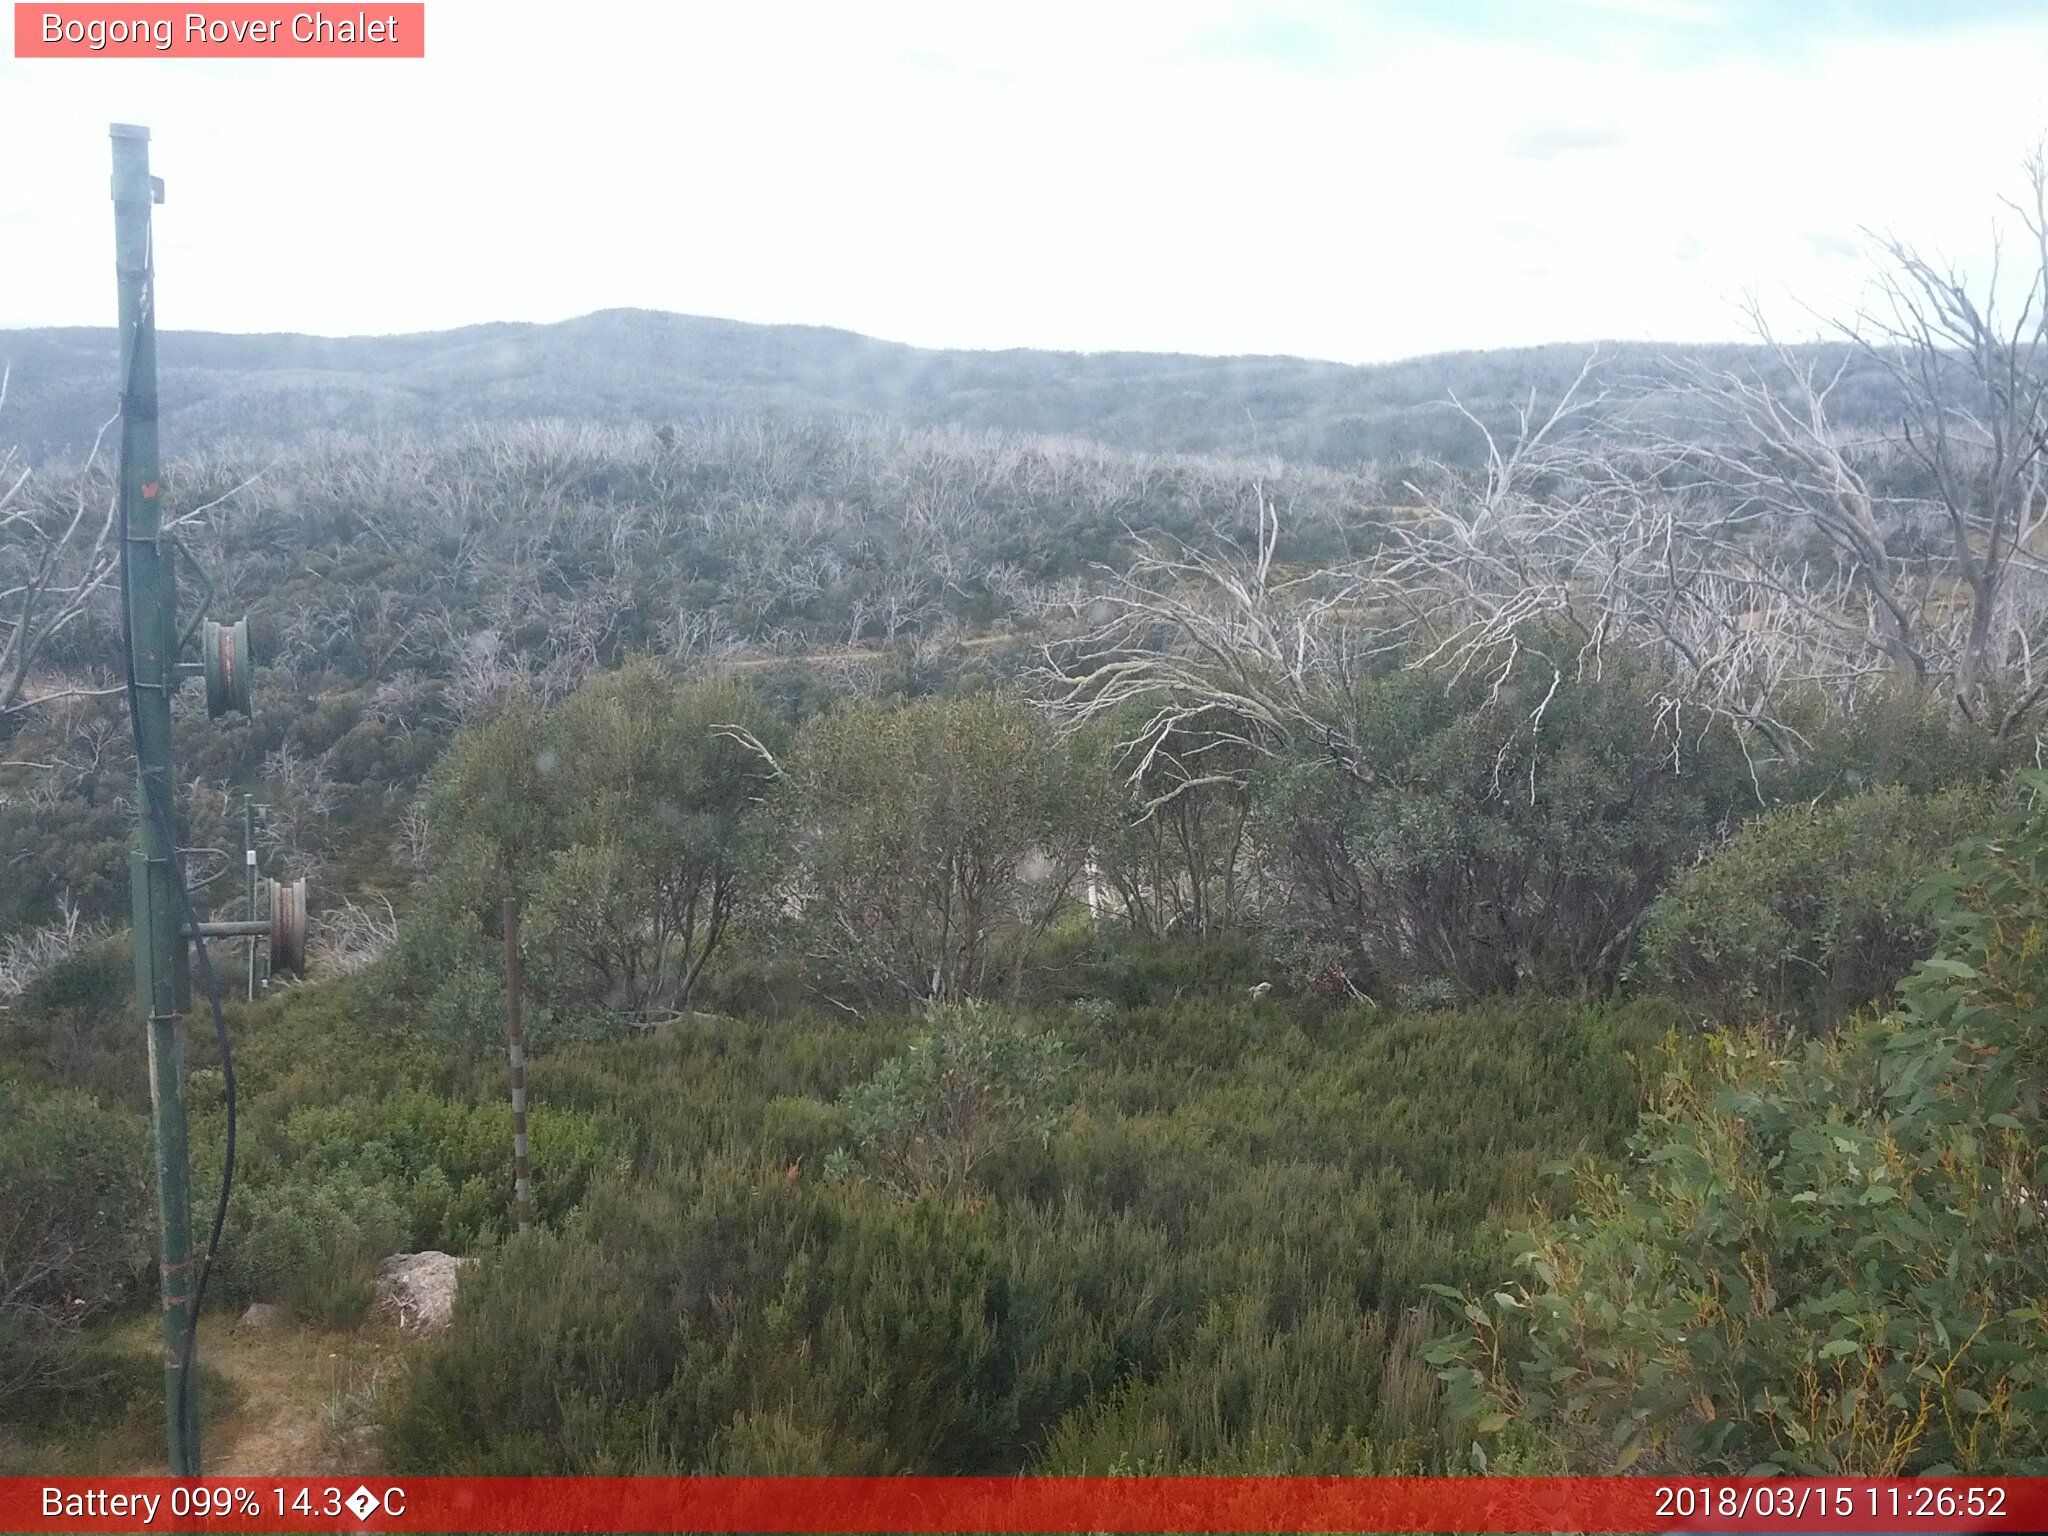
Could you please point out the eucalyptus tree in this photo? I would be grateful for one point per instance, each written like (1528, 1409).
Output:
(618, 818)
(929, 845)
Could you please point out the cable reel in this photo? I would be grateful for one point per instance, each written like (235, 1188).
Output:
(224, 653)
(287, 927)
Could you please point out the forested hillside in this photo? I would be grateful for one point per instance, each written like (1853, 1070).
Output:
(1044, 955)
(640, 366)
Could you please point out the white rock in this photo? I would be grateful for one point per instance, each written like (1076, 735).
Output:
(417, 1290)
(261, 1314)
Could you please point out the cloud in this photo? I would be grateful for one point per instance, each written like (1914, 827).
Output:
(1547, 141)
(1828, 246)
(919, 60)
(1667, 13)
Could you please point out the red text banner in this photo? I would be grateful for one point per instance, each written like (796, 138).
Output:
(225, 31)
(1023, 1504)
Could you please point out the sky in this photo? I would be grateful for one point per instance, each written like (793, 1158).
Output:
(1357, 180)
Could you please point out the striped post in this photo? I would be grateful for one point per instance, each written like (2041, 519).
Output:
(515, 1035)
(249, 872)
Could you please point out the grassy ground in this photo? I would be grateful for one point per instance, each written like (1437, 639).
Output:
(277, 1401)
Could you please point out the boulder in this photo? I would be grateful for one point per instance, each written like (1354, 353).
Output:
(417, 1290)
(260, 1315)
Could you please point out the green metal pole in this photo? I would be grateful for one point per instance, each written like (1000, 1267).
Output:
(162, 977)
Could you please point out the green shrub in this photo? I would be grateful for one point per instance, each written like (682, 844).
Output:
(1821, 1261)
(1805, 915)
(322, 1042)
(74, 1236)
(1133, 968)
(324, 1191)
(464, 1006)
(1898, 735)
(709, 1317)
(1494, 838)
(312, 1244)
(930, 845)
(1223, 1245)
(74, 1028)
(1325, 1393)
(969, 1085)
(348, 1152)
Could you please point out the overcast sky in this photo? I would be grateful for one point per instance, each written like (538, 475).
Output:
(1349, 179)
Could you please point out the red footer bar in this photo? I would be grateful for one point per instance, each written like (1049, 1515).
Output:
(1049, 1504)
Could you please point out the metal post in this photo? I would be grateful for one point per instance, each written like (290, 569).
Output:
(249, 869)
(515, 1035)
(162, 978)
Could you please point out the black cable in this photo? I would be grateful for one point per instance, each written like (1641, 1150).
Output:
(155, 796)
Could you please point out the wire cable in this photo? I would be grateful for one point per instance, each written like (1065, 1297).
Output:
(156, 797)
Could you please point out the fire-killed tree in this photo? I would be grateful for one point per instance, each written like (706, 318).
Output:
(1928, 526)
(57, 549)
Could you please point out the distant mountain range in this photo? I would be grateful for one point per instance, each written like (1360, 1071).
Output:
(644, 365)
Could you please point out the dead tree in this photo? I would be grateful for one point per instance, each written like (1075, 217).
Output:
(57, 549)
(1932, 526)
(1566, 554)
(1213, 649)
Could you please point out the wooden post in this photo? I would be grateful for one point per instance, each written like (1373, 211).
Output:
(515, 1037)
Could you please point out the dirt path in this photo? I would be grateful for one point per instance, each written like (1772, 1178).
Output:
(308, 1400)
(304, 1401)
(822, 658)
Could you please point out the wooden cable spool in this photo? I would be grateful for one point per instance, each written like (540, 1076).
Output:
(287, 927)
(224, 649)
